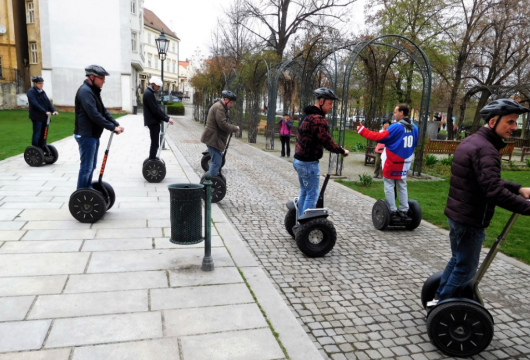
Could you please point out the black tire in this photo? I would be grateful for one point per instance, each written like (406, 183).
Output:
(415, 214)
(218, 189)
(429, 288)
(34, 156)
(380, 215)
(154, 171)
(87, 205)
(205, 162)
(315, 238)
(53, 155)
(290, 221)
(110, 190)
(460, 328)
(147, 159)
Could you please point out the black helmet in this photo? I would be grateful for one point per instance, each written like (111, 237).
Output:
(229, 95)
(96, 70)
(325, 93)
(37, 79)
(502, 107)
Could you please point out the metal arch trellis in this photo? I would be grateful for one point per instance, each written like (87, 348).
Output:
(422, 63)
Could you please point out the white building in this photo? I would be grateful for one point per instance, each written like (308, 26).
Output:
(78, 33)
(153, 66)
(184, 78)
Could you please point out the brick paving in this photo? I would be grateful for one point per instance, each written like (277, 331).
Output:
(361, 301)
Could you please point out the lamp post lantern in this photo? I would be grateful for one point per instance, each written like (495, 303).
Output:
(162, 45)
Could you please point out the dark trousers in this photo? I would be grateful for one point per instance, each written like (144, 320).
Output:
(38, 133)
(154, 133)
(286, 143)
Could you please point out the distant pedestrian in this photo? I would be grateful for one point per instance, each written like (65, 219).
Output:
(379, 148)
(40, 107)
(285, 134)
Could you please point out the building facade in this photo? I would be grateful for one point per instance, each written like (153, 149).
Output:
(153, 66)
(72, 38)
(184, 78)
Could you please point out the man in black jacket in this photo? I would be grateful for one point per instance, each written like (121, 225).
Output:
(475, 189)
(91, 117)
(153, 116)
(40, 107)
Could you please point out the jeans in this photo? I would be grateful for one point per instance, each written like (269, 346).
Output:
(38, 133)
(390, 185)
(216, 160)
(88, 149)
(154, 133)
(466, 243)
(309, 178)
(286, 143)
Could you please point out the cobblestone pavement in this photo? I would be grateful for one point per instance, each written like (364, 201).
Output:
(361, 301)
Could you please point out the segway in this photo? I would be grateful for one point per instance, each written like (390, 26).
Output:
(315, 235)
(154, 170)
(382, 217)
(218, 181)
(89, 205)
(36, 156)
(205, 160)
(462, 326)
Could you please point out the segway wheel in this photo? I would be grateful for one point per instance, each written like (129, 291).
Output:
(110, 191)
(315, 238)
(433, 282)
(53, 155)
(290, 221)
(380, 215)
(34, 156)
(154, 171)
(87, 205)
(147, 159)
(460, 328)
(415, 214)
(205, 162)
(218, 189)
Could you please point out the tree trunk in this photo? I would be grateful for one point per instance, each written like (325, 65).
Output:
(481, 103)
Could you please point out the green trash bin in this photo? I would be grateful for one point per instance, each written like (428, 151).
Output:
(186, 213)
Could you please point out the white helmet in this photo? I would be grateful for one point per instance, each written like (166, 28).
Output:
(156, 80)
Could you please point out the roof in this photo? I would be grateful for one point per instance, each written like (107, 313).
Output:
(184, 64)
(153, 21)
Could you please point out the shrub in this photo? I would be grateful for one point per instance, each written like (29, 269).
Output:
(527, 161)
(175, 109)
(447, 161)
(511, 163)
(366, 180)
(430, 160)
(359, 147)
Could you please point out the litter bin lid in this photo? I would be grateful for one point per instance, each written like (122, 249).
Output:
(185, 186)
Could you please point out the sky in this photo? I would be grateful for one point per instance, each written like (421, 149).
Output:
(193, 21)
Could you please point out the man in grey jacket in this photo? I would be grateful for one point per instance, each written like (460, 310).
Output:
(217, 129)
(91, 117)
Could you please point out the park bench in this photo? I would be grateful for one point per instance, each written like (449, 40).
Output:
(449, 147)
(262, 126)
(369, 154)
(525, 151)
(520, 143)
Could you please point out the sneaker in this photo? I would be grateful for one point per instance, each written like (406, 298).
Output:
(432, 303)
(394, 215)
(403, 214)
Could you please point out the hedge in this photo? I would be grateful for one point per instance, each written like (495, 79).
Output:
(175, 108)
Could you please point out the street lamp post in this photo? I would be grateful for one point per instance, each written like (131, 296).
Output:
(162, 45)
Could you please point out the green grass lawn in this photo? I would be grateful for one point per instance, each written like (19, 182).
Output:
(432, 196)
(351, 140)
(17, 130)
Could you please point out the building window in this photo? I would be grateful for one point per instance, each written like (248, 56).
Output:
(156, 62)
(167, 65)
(134, 41)
(149, 56)
(174, 62)
(30, 14)
(133, 6)
(149, 38)
(33, 53)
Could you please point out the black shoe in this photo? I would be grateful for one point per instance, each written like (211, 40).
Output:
(395, 216)
(403, 214)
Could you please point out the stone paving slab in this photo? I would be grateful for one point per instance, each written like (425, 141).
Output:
(37, 285)
(28, 247)
(15, 308)
(194, 276)
(23, 335)
(163, 349)
(11, 225)
(74, 305)
(116, 281)
(56, 354)
(251, 345)
(42, 264)
(105, 329)
(118, 244)
(55, 225)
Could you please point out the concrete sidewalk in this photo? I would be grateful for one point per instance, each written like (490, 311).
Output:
(118, 289)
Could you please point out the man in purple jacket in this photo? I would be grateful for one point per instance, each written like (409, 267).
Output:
(475, 189)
